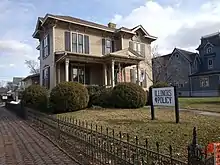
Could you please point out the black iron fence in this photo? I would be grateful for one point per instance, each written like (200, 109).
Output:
(92, 144)
(98, 146)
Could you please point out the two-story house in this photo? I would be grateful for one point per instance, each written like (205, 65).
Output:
(205, 75)
(175, 68)
(73, 49)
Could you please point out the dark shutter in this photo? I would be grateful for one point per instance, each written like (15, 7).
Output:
(48, 81)
(103, 46)
(42, 48)
(86, 44)
(48, 44)
(113, 46)
(131, 45)
(43, 78)
(143, 50)
(67, 41)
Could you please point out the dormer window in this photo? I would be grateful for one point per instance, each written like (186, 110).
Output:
(209, 50)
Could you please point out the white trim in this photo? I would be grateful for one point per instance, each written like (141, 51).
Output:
(145, 32)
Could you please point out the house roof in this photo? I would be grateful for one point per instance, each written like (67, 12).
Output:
(127, 53)
(31, 76)
(90, 24)
(190, 56)
(210, 38)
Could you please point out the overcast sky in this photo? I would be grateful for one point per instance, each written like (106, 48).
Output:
(176, 23)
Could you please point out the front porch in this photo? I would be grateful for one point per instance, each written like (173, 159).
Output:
(89, 70)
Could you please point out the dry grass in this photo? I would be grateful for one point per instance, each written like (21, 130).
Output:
(163, 130)
(211, 104)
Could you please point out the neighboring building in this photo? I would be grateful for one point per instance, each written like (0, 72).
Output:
(17, 83)
(206, 69)
(72, 49)
(31, 79)
(175, 68)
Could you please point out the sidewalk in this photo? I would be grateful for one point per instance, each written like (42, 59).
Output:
(21, 145)
(201, 112)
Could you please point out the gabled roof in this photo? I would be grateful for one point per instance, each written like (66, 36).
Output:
(145, 32)
(127, 52)
(190, 56)
(32, 76)
(90, 24)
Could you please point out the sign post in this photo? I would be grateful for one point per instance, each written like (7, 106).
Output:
(151, 104)
(166, 96)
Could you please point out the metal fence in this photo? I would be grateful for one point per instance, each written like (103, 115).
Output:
(94, 145)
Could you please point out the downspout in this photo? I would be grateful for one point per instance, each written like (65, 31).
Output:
(54, 62)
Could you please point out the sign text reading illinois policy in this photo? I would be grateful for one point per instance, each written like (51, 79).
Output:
(163, 96)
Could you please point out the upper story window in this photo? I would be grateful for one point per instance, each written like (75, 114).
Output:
(108, 46)
(46, 46)
(77, 43)
(138, 47)
(46, 77)
(204, 82)
(210, 63)
(209, 50)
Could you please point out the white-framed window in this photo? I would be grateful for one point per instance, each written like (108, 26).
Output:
(137, 47)
(204, 82)
(209, 50)
(46, 46)
(108, 46)
(76, 42)
(210, 63)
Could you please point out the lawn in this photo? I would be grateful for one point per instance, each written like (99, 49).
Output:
(206, 103)
(163, 130)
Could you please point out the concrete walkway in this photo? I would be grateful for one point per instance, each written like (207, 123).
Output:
(197, 111)
(21, 145)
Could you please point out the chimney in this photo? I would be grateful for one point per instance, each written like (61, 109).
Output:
(111, 25)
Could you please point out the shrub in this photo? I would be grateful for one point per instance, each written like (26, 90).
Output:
(35, 96)
(68, 96)
(94, 92)
(128, 95)
(99, 96)
(104, 98)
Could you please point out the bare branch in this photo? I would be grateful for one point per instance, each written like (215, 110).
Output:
(33, 66)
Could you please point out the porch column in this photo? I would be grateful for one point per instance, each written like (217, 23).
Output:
(67, 69)
(119, 73)
(113, 74)
(124, 74)
(105, 74)
(58, 73)
(138, 74)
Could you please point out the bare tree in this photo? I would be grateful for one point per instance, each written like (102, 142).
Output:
(33, 66)
(157, 66)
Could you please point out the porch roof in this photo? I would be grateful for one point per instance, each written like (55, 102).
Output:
(126, 56)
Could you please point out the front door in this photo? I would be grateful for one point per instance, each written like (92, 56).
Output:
(80, 74)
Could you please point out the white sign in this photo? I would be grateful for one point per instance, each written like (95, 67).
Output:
(163, 96)
(4, 97)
